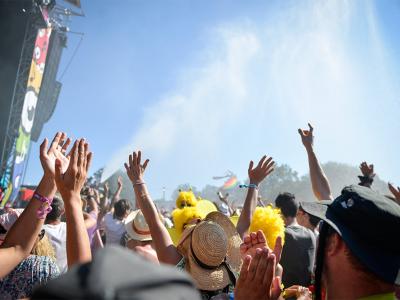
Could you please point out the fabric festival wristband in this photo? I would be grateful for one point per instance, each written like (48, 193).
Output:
(249, 186)
(45, 207)
(138, 182)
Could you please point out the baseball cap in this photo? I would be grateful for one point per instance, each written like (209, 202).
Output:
(369, 224)
(117, 273)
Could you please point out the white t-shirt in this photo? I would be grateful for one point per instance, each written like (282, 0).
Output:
(58, 238)
(114, 229)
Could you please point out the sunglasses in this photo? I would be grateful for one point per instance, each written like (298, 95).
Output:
(41, 234)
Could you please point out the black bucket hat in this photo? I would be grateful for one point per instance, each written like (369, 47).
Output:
(369, 224)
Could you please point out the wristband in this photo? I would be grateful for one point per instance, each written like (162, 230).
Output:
(45, 207)
(139, 182)
(249, 186)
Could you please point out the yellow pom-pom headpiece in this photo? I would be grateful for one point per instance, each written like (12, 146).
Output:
(183, 217)
(186, 199)
(269, 220)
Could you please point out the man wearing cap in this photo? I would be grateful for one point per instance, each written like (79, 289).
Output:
(358, 256)
(138, 237)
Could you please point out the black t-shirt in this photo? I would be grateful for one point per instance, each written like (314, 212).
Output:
(298, 256)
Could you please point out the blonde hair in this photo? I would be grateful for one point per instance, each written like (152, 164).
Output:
(270, 221)
(43, 247)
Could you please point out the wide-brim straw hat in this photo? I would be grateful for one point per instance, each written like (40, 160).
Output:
(212, 252)
(136, 226)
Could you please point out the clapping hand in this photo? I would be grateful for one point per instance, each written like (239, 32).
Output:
(257, 240)
(257, 278)
(307, 136)
(135, 170)
(261, 171)
(57, 150)
(71, 181)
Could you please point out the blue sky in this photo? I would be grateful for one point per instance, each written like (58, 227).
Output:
(205, 86)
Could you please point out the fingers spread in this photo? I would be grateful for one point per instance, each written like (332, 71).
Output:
(74, 154)
(130, 160)
(65, 146)
(260, 163)
(81, 153)
(55, 141)
(251, 164)
(145, 164)
(88, 161)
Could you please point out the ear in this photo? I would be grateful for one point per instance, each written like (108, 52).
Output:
(334, 245)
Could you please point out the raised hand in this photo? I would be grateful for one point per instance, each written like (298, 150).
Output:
(367, 170)
(119, 182)
(261, 171)
(73, 179)
(307, 137)
(57, 150)
(257, 240)
(395, 192)
(257, 278)
(135, 170)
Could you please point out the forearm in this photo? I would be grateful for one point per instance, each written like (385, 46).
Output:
(249, 206)
(166, 251)
(78, 245)
(116, 196)
(319, 181)
(23, 234)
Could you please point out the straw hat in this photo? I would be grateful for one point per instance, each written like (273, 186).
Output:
(136, 226)
(211, 252)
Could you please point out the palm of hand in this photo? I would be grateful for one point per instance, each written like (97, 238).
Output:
(49, 161)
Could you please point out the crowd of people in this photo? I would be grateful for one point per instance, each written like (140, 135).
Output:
(76, 241)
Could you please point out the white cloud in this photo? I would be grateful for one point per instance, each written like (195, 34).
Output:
(257, 83)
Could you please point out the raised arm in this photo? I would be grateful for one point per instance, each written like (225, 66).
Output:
(256, 176)
(22, 235)
(117, 193)
(368, 174)
(69, 185)
(319, 181)
(166, 251)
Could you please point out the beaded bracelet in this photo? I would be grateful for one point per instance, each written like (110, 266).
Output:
(249, 186)
(45, 207)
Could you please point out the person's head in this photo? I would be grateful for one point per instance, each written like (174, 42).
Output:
(307, 220)
(57, 210)
(212, 253)
(357, 240)
(43, 246)
(121, 209)
(137, 236)
(288, 205)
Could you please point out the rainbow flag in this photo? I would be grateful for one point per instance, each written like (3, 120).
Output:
(230, 183)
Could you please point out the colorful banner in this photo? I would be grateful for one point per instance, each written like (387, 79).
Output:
(22, 142)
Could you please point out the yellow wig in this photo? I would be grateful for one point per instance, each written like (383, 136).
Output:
(269, 220)
(182, 217)
(186, 199)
